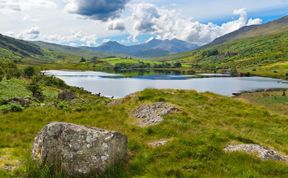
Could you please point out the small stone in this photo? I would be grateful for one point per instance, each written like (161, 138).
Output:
(157, 143)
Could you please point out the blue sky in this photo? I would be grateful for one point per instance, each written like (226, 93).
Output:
(92, 22)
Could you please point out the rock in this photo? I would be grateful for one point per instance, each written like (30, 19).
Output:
(79, 150)
(151, 114)
(157, 143)
(24, 102)
(66, 95)
(260, 151)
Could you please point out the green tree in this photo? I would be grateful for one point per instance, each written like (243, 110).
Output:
(177, 65)
(94, 59)
(29, 71)
(82, 59)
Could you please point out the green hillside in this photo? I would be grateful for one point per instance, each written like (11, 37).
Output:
(261, 50)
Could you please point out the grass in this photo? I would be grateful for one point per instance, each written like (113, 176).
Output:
(198, 134)
(13, 88)
(272, 100)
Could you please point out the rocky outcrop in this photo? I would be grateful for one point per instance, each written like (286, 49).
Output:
(77, 149)
(66, 95)
(152, 114)
(260, 151)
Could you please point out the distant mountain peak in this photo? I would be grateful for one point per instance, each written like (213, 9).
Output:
(111, 43)
(152, 48)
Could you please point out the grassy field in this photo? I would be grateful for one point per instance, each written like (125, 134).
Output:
(275, 101)
(197, 134)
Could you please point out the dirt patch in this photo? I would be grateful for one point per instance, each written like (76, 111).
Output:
(152, 114)
(260, 151)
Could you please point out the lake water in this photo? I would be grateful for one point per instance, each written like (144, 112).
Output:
(119, 86)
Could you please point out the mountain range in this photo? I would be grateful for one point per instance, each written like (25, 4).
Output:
(153, 48)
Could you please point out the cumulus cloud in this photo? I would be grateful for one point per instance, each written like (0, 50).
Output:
(7, 6)
(117, 24)
(168, 24)
(29, 34)
(96, 9)
(73, 39)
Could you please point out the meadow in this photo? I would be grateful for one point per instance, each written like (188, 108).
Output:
(197, 134)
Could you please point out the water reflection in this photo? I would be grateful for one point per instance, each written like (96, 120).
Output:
(121, 85)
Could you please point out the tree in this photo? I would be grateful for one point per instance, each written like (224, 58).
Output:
(29, 71)
(94, 59)
(177, 65)
(83, 59)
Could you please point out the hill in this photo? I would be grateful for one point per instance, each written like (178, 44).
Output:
(19, 47)
(153, 48)
(257, 50)
(273, 27)
(42, 52)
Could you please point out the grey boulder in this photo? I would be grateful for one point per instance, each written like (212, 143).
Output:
(79, 150)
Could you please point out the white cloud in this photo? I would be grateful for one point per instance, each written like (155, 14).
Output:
(29, 34)
(8, 6)
(116, 24)
(168, 24)
(73, 39)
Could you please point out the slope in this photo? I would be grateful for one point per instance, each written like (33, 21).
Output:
(257, 50)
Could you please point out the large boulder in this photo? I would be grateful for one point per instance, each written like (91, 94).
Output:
(79, 150)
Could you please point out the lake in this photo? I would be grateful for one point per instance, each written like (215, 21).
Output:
(118, 85)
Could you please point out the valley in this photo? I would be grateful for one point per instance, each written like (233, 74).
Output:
(197, 85)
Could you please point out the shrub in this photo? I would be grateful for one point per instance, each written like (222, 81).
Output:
(177, 65)
(212, 52)
(82, 59)
(12, 107)
(36, 91)
(29, 71)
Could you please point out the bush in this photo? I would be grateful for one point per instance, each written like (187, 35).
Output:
(36, 91)
(29, 71)
(82, 59)
(177, 65)
(12, 107)
(212, 52)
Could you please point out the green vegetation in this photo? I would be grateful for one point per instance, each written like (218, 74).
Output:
(197, 134)
(275, 101)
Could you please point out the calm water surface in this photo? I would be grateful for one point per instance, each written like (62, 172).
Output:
(119, 86)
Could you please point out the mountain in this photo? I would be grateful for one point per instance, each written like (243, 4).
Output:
(20, 47)
(68, 49)
(37, 51)
(257, 50)
(153, 48)
(253, 31)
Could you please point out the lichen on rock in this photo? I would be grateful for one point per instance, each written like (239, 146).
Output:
(79, 150)
(152, 114)
(260, 151)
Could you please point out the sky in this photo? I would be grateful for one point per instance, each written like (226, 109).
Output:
(93, 22)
